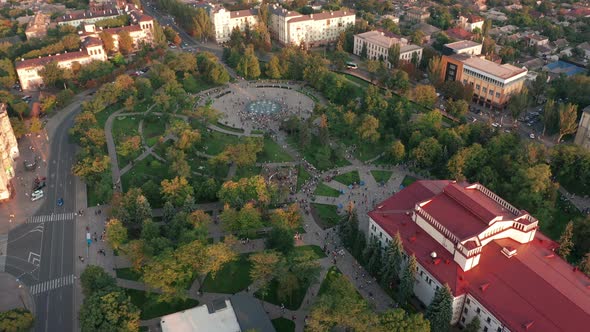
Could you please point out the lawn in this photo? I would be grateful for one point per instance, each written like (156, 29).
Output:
(124, 127)
(348, 178)
(151, 308)
(283, 324)
(128, 273)
(324, 190)
(364, 84)
(381, 176)
(315, 150)
(160, 148)
(318, 252)
(101, 117)
(229, 128)
(273, 153)
(257, 132)
(247, 172)
(327, 214)
(153, 129)
(331, 276)
(302, 176)
(408, 180)
(201, 165)
(147, 174)
(232, 278)
(366, 152)
(214, 142)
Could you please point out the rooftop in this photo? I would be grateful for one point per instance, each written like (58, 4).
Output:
(462, 44)
(323, 16)
(242, 13)
(562, 67)
(202, 319)
(68, 56)
(382, 38)
(533, 286)
(459, 33)
(504, 71)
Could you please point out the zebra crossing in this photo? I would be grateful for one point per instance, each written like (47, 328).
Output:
(48, 285)
(51, 217)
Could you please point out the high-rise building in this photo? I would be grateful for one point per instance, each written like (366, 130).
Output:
(497, 264)
(8, 153)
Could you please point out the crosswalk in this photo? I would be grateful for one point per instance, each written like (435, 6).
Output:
(51, 217)
(48, 285)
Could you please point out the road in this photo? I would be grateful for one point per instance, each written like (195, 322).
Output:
(40, 252)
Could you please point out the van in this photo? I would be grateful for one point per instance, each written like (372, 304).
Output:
(36, 195)
(351, 65)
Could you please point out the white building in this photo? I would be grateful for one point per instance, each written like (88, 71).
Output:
(225, 21)
(141, 31)
(310, 30)
(28, 70)
(496, 263)
(463, 47)
(470, 22)
(78, 17)
(8, 153)
(379, 42)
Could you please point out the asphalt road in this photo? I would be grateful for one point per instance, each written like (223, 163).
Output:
(42, 252)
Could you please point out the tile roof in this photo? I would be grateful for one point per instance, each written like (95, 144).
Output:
(533, 286)
(31, 63)
(243, 13)
(459, 33)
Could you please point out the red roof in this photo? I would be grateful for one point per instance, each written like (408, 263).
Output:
(31, 63)
(459, 34)
(532, 286)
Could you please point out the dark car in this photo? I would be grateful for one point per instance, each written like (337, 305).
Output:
(38, 186)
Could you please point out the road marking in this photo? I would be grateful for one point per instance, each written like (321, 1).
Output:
(51, 217)
(34, 258)
(48, 285)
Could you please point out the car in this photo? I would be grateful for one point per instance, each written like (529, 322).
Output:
(36, 195)
(60, 202)
(496, 125)
(532, 136)
(39, 186)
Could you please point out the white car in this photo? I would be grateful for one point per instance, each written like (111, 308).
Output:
(36, 195)
(532, 136)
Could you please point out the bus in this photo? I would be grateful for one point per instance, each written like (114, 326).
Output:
(351, 65)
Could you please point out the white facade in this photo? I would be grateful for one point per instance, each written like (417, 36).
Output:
(378, 44)
(293, 28)
(470, 23)
(139, 33)
(225, 21)
(465, 47)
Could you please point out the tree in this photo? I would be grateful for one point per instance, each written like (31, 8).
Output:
(18, 127)
(273, 69)
(428, 153)
(218, 255)
(125, 42)
(108, 41)
(280, 239)
(390, 271)
(136, 252)
(539, 86)
(109, 311)
(424, 95)
(289, 217)
(14, 320)
(550, 117)
(565, 241)
(372, 67)
(52, 74)
(364, 51)
(585, 264)
(457, 108)
(168, 274)
(474, 325)
(245, 221)
(264, 266)
(48, 104)
(397, 320)
(418, 37)
(35, 125)
(242, 154)
(248, 65)
(95, 278)
(176, 190)
(132, 208)
(440, 310)
(518, 103)
(435, 70)
(7, 73)
(116, 234)
(406, 286)
(130, 144)
(393, 55)
(253, 189)
(203, 28)
(568, 114)
(369, 129)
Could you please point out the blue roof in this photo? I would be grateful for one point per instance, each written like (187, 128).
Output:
(562, 67)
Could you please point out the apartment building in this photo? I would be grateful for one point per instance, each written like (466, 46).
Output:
(493, 84)
(28, 70)
(378, 43)
(497, 263)
(141, 31)
(78, 17)
(8, 153)
(225, 21)
(37, 28)
(418, 15)
(289, 27)
(470, 22)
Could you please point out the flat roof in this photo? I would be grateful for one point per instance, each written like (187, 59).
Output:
(462, 44)
(200, 319)
(534, 288)
(504, 71)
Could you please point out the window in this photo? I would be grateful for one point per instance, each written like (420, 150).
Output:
(464, 82)
(497, 94)
(463, 320)
(477, 87)
(465, 310)
(421, 273)
(485, 329)
(436, 287)
(489, 320)
(478, 310)
(492, 92)
(499, 329)
(484, 90)
(468, 301)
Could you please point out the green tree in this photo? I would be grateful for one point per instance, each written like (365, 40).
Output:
(248, 66)
(116, 234)
(35, 125)
(176, 190)
(568, 115)
(7, 73)
(440, 310)
(391, 269)
(132, 208)
(397, 320)
(406, 286)
(565, 241)
(109, 311)
(364, 51)
(424, 95)
(393, 55)
(95, 278)
(280, 239)
(457, 108)
(428, 153)
(203, 28)
(125, 42)
(435, 70)
(369, 129)
(550, 117)
(52, 74)
(264, 267)
(273, 69)
(16, 320)
(518, 103)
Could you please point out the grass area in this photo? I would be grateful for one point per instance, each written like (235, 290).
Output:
(101, 117)
(381, 176)
(214, 142)
(92, 198)
(348, 178)
(273, 153)
(160, 149)
(283, 324)
(408, 180)
(322, 157)
(324, 190)
(302, 177)
(257, 132)
(147, 174)
(331, 276)
(364, 84)
(124, 127)
(234, 277)
(151, 308)
(564, 212)
(366, 152)
(153, 130)
(327, 214)
(128, 273)
(246, 172)
(318, 252)
(229, 128)
(201, 165)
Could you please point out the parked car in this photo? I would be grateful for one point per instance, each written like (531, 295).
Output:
(36, 195)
